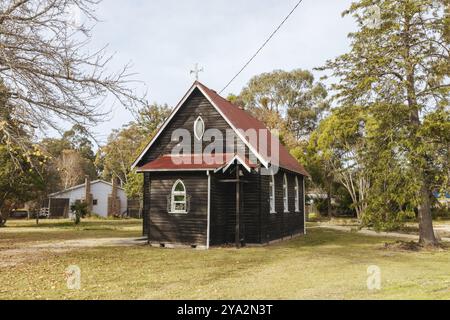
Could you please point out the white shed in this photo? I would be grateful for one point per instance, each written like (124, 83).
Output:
(100, 191)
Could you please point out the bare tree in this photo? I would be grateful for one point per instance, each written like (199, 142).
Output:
(70, 164)
(349, 172)
(340, 144)
(48, 72)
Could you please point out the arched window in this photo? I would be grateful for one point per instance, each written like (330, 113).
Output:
(178, 198)
(272, 194)
(199, 128)
(297, 196)
(285, 194)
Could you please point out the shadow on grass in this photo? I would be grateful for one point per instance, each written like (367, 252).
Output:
(318, 237)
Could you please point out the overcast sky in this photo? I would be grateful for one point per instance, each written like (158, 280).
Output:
(165, 38)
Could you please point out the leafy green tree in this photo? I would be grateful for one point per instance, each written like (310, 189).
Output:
(55, 146)
(118, 154)
(321, 173)
(293, 103)
(151, 117)
(293, 96)
(21, 166)
(72, 158)
(133, 187)
(400, 62)
(21, 178)
(79, 139)
(340, 145)
(124, 145)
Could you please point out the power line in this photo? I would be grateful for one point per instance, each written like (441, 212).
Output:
(263, 45)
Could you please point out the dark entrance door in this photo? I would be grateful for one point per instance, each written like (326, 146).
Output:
(233, 185)
(59, 208)
(230, 212)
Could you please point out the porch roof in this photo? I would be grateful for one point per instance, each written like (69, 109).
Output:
(193, 162)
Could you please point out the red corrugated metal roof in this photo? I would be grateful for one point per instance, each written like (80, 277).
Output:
(244, 121)
(191, 162)
(239, 119)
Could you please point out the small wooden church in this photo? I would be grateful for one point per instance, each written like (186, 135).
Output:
(248, 189)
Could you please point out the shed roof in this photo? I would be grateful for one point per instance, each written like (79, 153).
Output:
(82, 186)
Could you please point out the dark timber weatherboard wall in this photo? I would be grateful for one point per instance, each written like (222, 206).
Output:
(223, 209)
(258, 225)
(195, 106)
(189, 228)
(281, 224)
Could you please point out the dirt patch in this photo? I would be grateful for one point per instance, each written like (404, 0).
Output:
(89, 243)
(412, 246)
(11, 257)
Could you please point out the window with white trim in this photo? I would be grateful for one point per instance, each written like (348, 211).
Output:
(297, 196)
(285, 194)
(178, 203)
(272, 194)
(199, 128)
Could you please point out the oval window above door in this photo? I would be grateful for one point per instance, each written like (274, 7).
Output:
(199, 128)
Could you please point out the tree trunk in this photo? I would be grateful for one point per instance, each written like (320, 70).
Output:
(2, 220)
(426, 232)
(3, 217)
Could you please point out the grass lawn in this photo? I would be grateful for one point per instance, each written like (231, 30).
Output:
(441, 225)
(23, 232)
(324, 264)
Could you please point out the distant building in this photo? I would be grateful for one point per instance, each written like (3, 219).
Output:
(443, 198)
(99, 195)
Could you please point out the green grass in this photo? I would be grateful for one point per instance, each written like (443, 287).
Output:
(22, 232)
(409, 227)
(324, 264)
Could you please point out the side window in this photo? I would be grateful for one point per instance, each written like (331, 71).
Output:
(178, 198)
(297, 196)
(199, 128)
(272, 194)
(285, 194)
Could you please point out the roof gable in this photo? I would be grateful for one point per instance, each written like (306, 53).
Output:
(240, 121)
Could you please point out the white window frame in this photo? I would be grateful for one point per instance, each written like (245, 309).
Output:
(285, 194)
(174, 193)
(199, 119)
(272, 194)
(297, 195)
